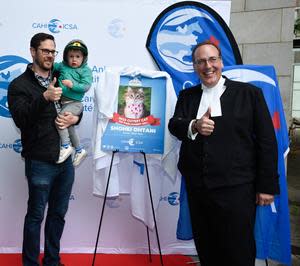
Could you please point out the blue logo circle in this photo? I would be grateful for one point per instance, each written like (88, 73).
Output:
(11, 66)
(178, 32)
(17, 146)
(116, 28)
(55, 25)
(173, 198)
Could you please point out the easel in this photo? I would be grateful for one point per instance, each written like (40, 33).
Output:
(153, 212)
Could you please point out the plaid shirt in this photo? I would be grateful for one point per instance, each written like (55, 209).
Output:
(45, 82)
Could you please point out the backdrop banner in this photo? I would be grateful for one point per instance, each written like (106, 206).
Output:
(115, 34)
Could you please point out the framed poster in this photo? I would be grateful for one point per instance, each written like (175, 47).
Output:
(138, 124)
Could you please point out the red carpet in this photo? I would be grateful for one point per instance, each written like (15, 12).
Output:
(106, 260)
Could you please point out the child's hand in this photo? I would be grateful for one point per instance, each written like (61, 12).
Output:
(68, 83)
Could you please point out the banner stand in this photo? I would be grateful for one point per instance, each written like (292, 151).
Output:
(153, 212)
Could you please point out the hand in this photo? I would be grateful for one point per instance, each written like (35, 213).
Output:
(52, 93)
(68, 83)
(65, 120)
(205, 126)
(263, 199)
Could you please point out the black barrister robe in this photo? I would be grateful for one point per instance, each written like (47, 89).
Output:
(225, 170)
(242, 148)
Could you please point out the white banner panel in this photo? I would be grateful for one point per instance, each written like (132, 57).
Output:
(115, 33)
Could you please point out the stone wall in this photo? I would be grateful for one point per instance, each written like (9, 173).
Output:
(263, 30)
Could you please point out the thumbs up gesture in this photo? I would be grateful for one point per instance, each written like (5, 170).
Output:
(205, 126)
(53, 93)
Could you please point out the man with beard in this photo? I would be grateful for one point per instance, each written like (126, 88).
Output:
(32, 101)
(228, 157)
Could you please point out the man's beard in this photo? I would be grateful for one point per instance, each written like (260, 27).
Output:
(45, 65)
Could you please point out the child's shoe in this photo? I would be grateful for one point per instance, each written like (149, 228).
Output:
(79, 156)
(65, 152)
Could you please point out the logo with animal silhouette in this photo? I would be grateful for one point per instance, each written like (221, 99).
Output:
(11, 66)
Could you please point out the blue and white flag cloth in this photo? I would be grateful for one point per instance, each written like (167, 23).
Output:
(272, 227)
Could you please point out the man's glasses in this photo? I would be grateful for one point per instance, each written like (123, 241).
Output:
(48, 52)
(203, 62)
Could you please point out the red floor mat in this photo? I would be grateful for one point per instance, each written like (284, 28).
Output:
(106, 260)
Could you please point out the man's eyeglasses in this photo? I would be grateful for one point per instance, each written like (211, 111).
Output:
(48, 52)
(203, 62)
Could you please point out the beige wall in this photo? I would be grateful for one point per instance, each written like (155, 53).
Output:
(263, 30)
